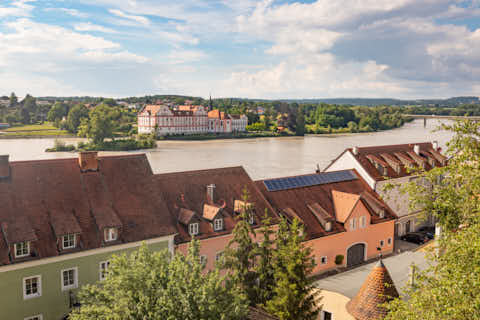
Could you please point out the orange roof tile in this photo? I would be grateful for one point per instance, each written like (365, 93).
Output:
(344, 204)
(377, 289)
(152, 108)
(210, 211)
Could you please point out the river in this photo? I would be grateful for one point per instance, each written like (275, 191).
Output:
(262, 157)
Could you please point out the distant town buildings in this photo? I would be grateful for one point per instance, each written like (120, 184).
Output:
(187, 119)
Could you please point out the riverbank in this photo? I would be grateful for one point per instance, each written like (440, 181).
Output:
(262, 158)
(128, 144)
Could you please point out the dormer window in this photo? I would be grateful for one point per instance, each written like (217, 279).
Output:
(218, 224)
(193, 229)
(328, 226)
(110, 234)
(22, 249)
(69, 241)
(251, 218)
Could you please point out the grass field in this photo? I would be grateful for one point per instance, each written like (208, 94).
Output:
(45, 129)
(32, 127)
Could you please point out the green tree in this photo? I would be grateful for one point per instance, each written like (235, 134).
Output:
(100, 125)
(300, 126)
(264, 263)
(450, 287)
(13, 100)
(57, 112)
(294, 297)
(152, 285)
(239, 257)
(109, 102)
(75, 116)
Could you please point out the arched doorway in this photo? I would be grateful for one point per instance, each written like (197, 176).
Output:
(356, 254)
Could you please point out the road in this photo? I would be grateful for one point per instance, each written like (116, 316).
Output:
(348, 283)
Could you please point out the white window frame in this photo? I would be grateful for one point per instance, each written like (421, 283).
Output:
(251, 218)
(39, 287)
(203, 259)
(74, 245)
(363, 222)
(218, 224)
(36, 317)
(193, 228)
(22, 255)
(353, 224)
(321, 260)
(382, 243)
(75, 279)
(110, 234)
(389, 241)
(102, 271)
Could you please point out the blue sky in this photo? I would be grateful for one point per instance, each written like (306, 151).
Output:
(241, 48)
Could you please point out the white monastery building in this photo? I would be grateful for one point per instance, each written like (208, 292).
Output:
(167, 120)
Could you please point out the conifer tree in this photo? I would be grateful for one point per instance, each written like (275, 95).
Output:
(239, 257)
(264, 266)
(294, 297)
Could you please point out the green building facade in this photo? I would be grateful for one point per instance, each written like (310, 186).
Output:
(52, 301)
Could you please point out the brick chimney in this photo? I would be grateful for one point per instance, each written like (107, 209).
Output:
(4, 166)
(88, 161)
(211, 193)
(416, 149)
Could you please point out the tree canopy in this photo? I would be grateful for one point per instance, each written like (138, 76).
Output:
(274, 271)
(153, 285)
(450, 287)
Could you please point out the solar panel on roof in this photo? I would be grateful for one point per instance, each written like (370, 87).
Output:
(308, 180)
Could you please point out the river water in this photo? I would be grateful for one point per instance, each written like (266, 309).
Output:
(262, 158)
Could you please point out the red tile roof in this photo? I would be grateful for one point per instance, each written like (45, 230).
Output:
(296, 202)
(152, 108)
(217, 114)
(188, 190)
(393, 155)
(44, 199)
(377, 289)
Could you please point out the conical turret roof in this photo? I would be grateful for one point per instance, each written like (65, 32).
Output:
(377, 289)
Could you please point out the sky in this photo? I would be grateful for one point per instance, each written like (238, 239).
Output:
(269, 49)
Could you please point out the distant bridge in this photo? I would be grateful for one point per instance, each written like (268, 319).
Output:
(432, 116)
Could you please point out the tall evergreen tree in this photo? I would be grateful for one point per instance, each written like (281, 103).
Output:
(239, 257)
(294, 297)
(300, 127)
(264, 266)
(13, 100)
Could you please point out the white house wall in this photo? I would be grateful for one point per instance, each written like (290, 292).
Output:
(348, 161)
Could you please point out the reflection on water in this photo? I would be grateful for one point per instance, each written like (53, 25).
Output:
(262, 158)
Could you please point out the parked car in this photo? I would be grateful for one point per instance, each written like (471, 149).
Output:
(428, 231)
(415, 237)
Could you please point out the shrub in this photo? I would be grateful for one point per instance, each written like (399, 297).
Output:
(339, 259)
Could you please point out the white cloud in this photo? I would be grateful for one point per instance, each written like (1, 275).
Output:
(93, 27)
(71, 12)
(185, 56)
(19, 8)
(140, 19)
(66, 60)
(359, 48)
